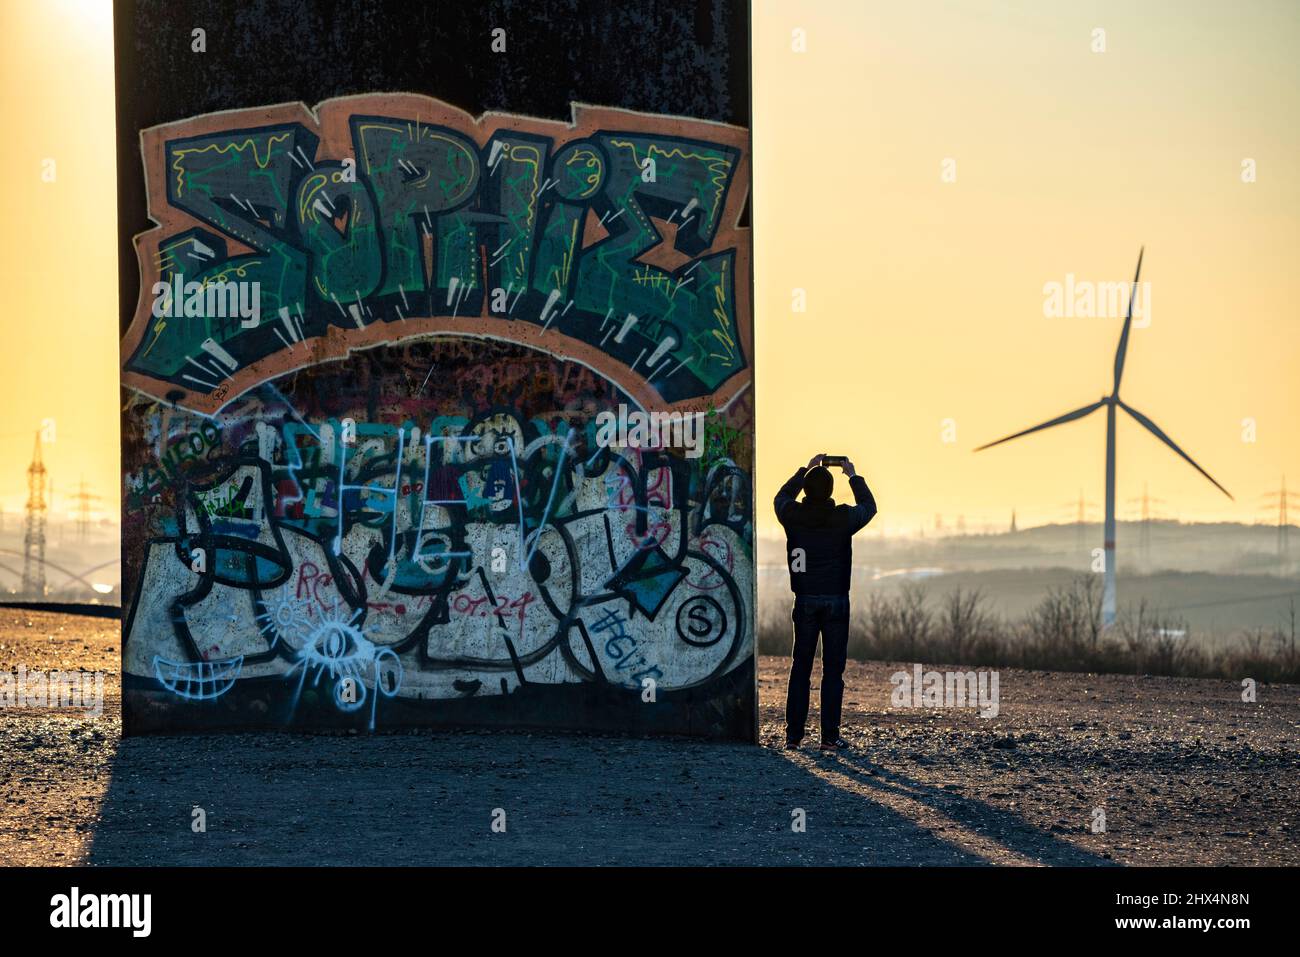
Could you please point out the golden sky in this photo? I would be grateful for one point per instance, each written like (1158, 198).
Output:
(924, 297)
(59, 249)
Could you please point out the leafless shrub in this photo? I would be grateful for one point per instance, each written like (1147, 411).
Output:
(963, 622)
(914, 619)
(1155, 644)
(1065, 627)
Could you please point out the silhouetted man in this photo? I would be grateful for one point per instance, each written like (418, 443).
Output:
(819, 552)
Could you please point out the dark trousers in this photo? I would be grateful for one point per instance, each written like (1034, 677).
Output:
(827, 615)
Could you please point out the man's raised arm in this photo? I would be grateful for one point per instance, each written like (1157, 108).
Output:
(865, 509)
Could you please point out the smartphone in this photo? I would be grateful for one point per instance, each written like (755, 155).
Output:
(834, 461)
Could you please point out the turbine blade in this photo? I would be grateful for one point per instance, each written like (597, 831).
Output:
(1122, 350)
(1155, 430)
(1059, 420)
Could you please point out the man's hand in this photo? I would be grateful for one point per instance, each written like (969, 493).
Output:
(816, 460)
(848, 468)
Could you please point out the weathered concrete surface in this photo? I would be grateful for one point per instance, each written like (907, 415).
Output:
(1185, 771)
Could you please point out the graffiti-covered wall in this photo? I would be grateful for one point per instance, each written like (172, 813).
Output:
(439, 418)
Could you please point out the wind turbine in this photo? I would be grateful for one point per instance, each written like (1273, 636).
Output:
(1112, 402)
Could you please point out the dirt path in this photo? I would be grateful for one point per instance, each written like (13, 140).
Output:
(1184, 771)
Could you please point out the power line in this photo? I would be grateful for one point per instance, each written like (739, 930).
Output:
(1283, 524)
(34, 537)
(83, 499)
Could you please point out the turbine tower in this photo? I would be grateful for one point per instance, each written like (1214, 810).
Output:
(1113, 402)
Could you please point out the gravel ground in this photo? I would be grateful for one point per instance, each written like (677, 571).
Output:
(1184, 771)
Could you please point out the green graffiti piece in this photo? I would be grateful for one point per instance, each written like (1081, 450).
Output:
(339, 227)
(608, 239)
(514, 191)
(238, 183)
(416, 172)
(458, 258)
(579, 171)
(718, 440)
(697, 312)
(557, 251)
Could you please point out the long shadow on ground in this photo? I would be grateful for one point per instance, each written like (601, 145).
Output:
(425, 798)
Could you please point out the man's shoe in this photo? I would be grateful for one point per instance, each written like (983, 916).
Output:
(839, 744)
(791, 744)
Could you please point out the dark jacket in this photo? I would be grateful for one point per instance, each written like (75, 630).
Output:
(825, 532)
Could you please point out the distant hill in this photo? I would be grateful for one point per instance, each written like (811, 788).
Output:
(1221, 578)
(1164, 545)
